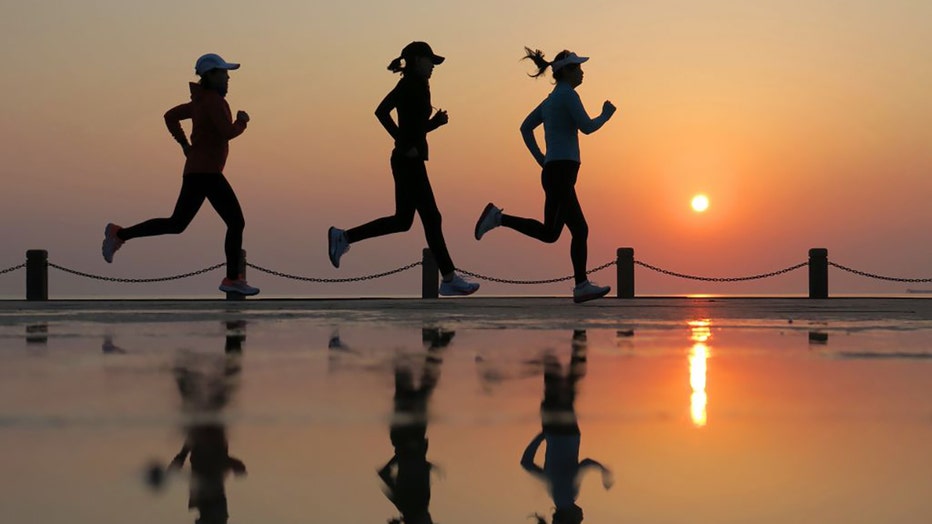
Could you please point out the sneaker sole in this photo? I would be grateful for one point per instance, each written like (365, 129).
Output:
(485, 213)
(594, 296)
(457, 293)
(234, 290)
(102, 247)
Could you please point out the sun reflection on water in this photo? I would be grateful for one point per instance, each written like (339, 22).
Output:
(701, 332)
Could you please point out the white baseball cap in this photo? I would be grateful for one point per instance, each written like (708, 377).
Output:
(571, 58)
(212, 61)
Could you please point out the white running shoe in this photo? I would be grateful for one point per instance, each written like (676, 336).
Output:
(111, 242)
(589, 291)
(458, 286)
(490, 218)
(337, 245)
(238, 286)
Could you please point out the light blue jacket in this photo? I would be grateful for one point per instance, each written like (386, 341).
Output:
(563, 116)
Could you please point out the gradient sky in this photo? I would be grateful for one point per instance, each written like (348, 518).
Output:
(806, 124)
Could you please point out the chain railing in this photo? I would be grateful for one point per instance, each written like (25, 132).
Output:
(12, 268)
(878, 277)
(625, 265)
(135, 280)
(333, 280)
(722, 279)
(528, 282)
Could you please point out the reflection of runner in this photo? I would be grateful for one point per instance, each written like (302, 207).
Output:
(563, 116)
(206, 387)
(411, 100)
(203, 170)
(562, 469)
(406, 476)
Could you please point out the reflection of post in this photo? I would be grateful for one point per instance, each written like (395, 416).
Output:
(37, 333)
(236, 335)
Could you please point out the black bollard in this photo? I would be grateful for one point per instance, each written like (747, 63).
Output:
(624, 268)
(37, 274)
(430, 275)
(242, 274)
(818, 272)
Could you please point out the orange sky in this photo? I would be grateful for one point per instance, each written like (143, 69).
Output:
(806, 124)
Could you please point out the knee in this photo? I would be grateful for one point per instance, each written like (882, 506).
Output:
(404, 223)
(552, 235)
(176, 227)
(581, 231)
(236, 225)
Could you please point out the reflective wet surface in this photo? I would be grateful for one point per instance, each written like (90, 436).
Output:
(354, 418)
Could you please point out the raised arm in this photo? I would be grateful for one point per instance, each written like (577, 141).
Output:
(608, 479)
(217, 114)
(527, 459)
(178, 461)
(534, 119)
(581, 118)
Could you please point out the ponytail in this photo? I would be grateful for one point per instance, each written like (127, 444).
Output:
(395, 66)
(536, 56)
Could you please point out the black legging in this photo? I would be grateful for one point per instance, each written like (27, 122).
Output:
(412, 193)
(561, 207)
(194, 189)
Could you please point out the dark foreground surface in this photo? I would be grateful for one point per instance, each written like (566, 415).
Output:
(470, 410)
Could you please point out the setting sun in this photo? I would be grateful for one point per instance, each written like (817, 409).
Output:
(700, 203)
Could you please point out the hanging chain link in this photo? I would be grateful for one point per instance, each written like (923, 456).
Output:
(333, 280)
(14, 268)
(136, 280)
(721, 279)
(878, 277)
(546, 281)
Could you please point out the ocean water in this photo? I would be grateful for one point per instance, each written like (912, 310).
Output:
(346, 414)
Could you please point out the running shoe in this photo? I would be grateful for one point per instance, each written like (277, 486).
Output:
(337, 245)
(457, 286)
(238, 286)
(490, 218)
(111, 243)
(589, 291)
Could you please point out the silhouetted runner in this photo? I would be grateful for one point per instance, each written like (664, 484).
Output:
(406, 476)
(203, 178)
(563, 116)
(411, 100)
(562, 470)
(207, 384)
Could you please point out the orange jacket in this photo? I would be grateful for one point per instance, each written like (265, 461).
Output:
(211, 132)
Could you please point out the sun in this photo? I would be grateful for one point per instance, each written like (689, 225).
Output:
(700, 203)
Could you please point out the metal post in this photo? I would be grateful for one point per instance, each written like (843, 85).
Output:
(430, 275)
(818, 272)
(242, 274)
(37, 274)
(624, 268)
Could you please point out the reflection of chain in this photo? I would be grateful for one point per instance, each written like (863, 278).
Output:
(333, 280)
(547, 281)
(136, 280)
(14, 268)
(879, 277)
(722, 279)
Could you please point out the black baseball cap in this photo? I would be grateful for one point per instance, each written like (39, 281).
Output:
(415, 49)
